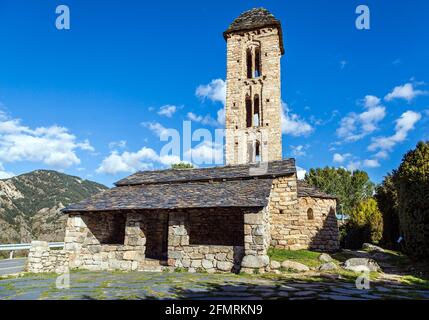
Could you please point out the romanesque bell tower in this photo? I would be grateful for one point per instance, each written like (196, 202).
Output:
(253, 103)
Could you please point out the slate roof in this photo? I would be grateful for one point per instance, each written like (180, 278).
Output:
(255, 19)
(248, 171)
(305, 190)
(234, 193)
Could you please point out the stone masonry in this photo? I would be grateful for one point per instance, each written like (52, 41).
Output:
(43, 259)
(221, 219)
(262, 91)
(292, 227)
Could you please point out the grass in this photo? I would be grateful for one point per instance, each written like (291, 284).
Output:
(415, 281)
(309, 258)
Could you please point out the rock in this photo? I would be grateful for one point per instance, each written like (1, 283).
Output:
(361, 264)
(255, 261)
(207, 264)
(275, 265)
(295, 266)
(225, 266)
(324, 257)
(328, 266)
(371, 247)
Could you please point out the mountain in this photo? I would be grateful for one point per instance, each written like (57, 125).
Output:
(30, 204)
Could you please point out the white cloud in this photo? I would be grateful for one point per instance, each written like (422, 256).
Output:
(54, 146)
(300, 173)
(403, 126)
(292, 124)
(156, 128)
(5, 174)
(221, 116)
(340, 158)
(371, 163)
(358, 164)
(298, 151)
(167, 110)
(118, 144)
(354, 126)
(206, 120)
(215, 91)
(406, 91)
(343, 64)
(206, 153)
(143, 159)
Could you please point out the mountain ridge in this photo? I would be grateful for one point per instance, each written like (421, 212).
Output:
(31, 203)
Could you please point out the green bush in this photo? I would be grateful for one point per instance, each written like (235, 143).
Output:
(387, 199)
(365, 225)
(412, 185)
(350, 187)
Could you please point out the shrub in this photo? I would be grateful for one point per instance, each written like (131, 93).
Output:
(365, 225)
(412, 184)
(387, 199)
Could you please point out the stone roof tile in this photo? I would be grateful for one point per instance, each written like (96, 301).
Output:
(222, 194)
(255, 18)
(248, 171)
(305, 190)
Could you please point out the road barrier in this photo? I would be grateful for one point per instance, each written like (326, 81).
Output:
(26, 246)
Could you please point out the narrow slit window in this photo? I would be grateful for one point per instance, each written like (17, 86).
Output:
(310, 214)
(257, 62)
(257, 151)
(248, 112)
(256, 108)
(249, 63)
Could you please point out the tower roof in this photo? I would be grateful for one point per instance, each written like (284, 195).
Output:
(255, 18)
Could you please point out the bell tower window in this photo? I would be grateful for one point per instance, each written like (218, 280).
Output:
(249, 63)
(248, 112)
(257, 62)
(257, 151)
(256, 113)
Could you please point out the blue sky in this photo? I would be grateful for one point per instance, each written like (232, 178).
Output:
(92, 101)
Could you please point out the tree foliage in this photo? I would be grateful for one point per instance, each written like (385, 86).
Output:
(387, 199)
(412, 185)
(182, 166)
(349, 187)
(365, 224)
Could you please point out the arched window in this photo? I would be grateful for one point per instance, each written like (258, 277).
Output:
(257, 62)
(256, 108)
(248, 112)
(310, 214)
(258, 151)
(249, 63)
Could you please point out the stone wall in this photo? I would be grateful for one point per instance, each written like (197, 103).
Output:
(322, 230)
(42, 259)
(240, 140)
(256, 240)
(209, 257)
(84, 241)
(284, 214)
(290, 226)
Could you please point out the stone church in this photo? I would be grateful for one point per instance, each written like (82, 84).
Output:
(221, 218)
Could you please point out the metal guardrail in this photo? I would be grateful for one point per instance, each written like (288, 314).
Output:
(26, 246)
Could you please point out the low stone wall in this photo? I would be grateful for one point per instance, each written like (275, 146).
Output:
(210, 258)
(41, 259)
(90, 249)
(322, 230)
(291, 227)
